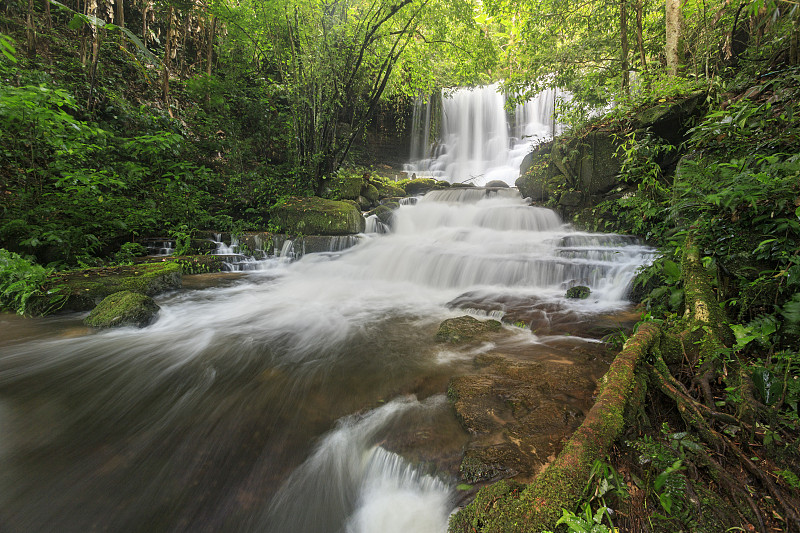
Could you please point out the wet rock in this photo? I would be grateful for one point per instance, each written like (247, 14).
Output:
(518, 412)
(465, 329)
(317, 216)
(420, 186)
(385, 213)
(124, 308)
(497, 184)
(578, 292)
(86, 288)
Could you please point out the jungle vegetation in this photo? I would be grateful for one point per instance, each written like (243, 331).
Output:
(122, 119)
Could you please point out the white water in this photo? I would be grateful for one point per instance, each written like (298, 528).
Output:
(478, 141)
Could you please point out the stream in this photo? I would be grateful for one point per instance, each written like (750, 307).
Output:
(305, 396)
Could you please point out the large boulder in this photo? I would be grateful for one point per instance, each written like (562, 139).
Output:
(317, 216)
(388, 190)
(420, 186)
(345, 187)
(124, 308)
(586, 162)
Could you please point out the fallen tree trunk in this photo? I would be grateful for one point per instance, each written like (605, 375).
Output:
(508, 506)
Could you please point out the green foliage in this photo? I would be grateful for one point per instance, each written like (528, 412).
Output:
(23, 286)
(128, 252)
(7, 48)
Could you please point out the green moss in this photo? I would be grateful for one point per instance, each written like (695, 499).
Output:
(85, 288)
(420, 186)
(124, 308)
(578, 292)
(317, 216)
(387, 190)
(465, 329)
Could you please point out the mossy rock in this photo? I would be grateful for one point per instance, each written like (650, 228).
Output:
(385, 214)
(420, 186)
(371, 193)
(387, 190)
(123, 308)
(464, 329)
(497, 184)
(345, 187)
(578, 292)
(85, 288)
(317, 216)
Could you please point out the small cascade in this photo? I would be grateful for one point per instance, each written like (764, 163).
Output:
(159, 246)
(374, 225)
(479, 141)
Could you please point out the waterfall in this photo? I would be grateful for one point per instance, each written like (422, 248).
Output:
(479, 140)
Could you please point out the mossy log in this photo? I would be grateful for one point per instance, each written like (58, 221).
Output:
(539, 505)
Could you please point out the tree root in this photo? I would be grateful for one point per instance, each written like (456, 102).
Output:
(693, 413)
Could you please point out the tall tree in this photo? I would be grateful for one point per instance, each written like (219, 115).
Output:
(674, 23)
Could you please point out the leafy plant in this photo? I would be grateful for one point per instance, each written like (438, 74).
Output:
(22, 286)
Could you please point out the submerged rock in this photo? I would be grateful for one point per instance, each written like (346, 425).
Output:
(578, 292)
(317, 216)
(123, 308)
(465, 329)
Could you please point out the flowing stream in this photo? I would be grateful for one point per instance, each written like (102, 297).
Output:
(304, 397)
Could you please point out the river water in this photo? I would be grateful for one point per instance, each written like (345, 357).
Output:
(303, 397)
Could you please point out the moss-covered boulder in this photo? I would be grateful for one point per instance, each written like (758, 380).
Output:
(578, 292)
(317, 216)
(385, 213)
(465, 329)
(87, 287)
(371, 193)
(344, 186)
(420, 186)
(388, 190)
(123, 308)
(497, 184)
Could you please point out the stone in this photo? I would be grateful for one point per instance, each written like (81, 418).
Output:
(317, 216)
(85, 288)
(345, 187)
(371, 193)
(578, 292)
(388, 190)
(419, 186)
(465, 329)
(123, 308)
(497, 184)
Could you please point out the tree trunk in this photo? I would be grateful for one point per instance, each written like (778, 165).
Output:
(120, 14)
(623, 34)
(212, 30)
(30, 31)
(144, 25)
(48, 17)
(674, 21)
(167, 57)
(640, 34)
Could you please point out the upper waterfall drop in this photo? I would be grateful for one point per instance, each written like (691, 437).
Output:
(478, 139)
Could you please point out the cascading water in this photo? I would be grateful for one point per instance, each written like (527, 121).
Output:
(478, 140)
(207, 420)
